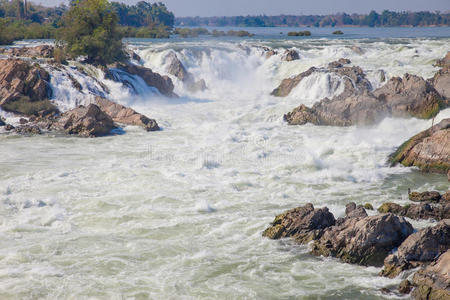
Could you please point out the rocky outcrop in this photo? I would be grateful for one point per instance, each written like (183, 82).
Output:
(163, 83)
(363, 240)
(419, 248)
(441, 82)
(432, 196)
(177, 69)
(41, 51)
(303, 224)
(287, 85)
(89, 121)
(24, 87)
(290, 55)
(433, 281)
(444, 62)
(422, 211)
(357, 238)
(125, 115)
(428, 150)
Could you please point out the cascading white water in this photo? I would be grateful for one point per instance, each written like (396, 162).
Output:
(179, 213)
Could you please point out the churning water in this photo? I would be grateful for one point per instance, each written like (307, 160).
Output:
(178, 214)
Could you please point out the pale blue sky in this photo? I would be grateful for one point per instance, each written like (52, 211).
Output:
(183, 8)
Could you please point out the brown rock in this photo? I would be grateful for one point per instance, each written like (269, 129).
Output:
(441, 83)
(405, 287)
(420, 247)
(125, 115)
(43, 51)
(445, 62)
(303, 224)
(422, 211)
(425, 196)
(446, 197)
(88, 121)
(287, 85)
(433, 281)
(177, 69)
(291, 55)
(428, 150)
(353, 211)
(364, 241)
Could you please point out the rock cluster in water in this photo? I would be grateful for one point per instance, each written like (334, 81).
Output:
(25, 91)
(373, 241)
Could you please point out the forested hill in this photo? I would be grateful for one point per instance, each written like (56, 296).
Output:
(374, 19)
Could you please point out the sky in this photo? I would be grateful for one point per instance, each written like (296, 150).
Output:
(205, 8)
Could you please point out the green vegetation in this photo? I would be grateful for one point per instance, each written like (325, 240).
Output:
(385, 19)
(299, 33)
(27, 107)
(90, 29)
(338, 32)
(195, 32)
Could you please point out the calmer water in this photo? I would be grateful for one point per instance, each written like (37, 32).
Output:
(178, 214)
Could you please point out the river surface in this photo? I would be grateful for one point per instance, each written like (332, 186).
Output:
(178, 214)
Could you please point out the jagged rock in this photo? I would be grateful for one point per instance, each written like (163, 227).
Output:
(291, 55)
(405, 287)
(303, 224)
(445, 62)
(428, 150)
(23, 121)
(43, 51)
(162, 83)
(422, 211)
(125, 115)
(441, 82)
(410, 96)
(287, 85)
(339, 63)
(364, 241)
(28, 129)
(177, 69)
(353, 211)
(446, 197)
(433, 281)
(9, 127)
(24, 87)
(134, 56)
(89, 121)
(420, 247)
(425, 196)
(270, 53)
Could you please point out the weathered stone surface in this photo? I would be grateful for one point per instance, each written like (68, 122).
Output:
(432, 196)
(177, 69)
(405, 287)
(353, 211)
(24, 87)
(125, 115)
(441, 83)
(41, 51)
(163, 83)
(420, 247)
(410, 96)
(291, 55)
(287, 85)
(364, 241)
(304, 224)
(357, 50)
(428, 150)
(89, 121)
(433, 281)
(421, 211)
(445, 62)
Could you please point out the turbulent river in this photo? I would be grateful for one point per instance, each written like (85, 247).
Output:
(178, 214)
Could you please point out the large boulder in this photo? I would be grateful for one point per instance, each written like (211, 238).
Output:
(364, 241)
(125, 115)
(433, 281)
(428, 150)
(163, 83)
(291, 55)
(444, 62)
(302, 224)
(420, 247)
(441, 83)
(432, 196)
(410, 96)
(24, 87)
(288, 84)
(85, 121)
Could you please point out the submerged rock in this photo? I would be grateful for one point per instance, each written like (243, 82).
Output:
(428, 150)
(304, 224)
(419, 248)
(125, 115)
(363, 241)
(89, 121)
(433, 281)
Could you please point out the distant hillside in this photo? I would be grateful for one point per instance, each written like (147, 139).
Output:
(374, 19)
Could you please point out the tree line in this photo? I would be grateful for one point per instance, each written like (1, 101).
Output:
(145, 20)
(373, 19)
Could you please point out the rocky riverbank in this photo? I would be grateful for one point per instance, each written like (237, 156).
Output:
(26, 92)
(383, 240)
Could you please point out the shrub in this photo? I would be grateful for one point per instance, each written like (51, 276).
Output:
(338, 32)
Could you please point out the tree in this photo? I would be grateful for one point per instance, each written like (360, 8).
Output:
(90, 29)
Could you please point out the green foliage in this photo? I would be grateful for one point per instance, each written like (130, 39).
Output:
(12, 30)
(90, 29)
(338, 32)
(158, 32)
(300, 33)
(27, 107)
(144, 14)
